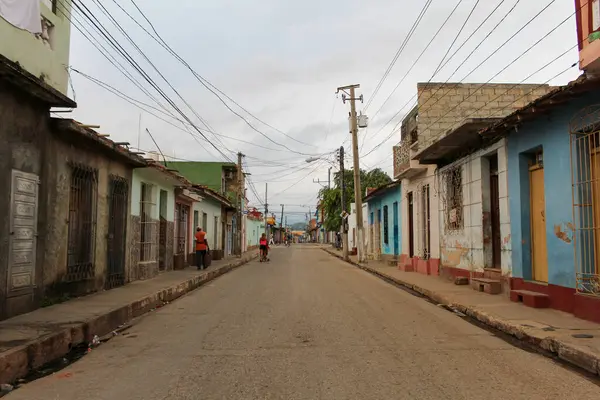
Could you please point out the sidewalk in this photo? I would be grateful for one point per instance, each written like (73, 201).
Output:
(547, 329)
(31, 340)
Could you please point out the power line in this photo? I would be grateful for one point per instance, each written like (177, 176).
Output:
(206, 83)
(399, 52)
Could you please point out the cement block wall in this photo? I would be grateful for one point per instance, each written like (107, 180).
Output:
(469, 247)
(443, 106)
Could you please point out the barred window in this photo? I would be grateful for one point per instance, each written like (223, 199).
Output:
(454, 200)
(147, 224)
(82, 223)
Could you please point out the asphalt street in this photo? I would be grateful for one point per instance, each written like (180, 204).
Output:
(307, 326)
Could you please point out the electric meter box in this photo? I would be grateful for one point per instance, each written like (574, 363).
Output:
(363, 121)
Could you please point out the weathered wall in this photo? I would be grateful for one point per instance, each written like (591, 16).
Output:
(43, 60)
(254, 230)
(443, 106)
(23, 131)
(550, 132)
(466, 248)
(56, 182)
(391, 198)
(415, 186)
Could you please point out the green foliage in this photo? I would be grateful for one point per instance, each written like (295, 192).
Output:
(332, 198)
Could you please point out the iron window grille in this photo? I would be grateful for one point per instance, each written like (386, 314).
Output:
(81, 223)
(182, 214)
(147, 224)
(117, 231)
(454, 199)
(385, 225)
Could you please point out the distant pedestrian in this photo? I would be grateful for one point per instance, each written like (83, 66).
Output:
(200, 248)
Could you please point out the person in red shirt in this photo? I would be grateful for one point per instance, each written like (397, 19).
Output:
(200, 248)
(264, 248)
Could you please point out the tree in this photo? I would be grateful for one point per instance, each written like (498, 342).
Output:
(331, 199)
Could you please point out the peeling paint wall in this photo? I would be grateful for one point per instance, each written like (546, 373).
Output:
(469, 248)
(550, 133)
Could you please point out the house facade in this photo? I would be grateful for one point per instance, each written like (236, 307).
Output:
(39, 44)
(224, 179)
(552, 173)
(384, 222)
(439, 172)
(352, 226)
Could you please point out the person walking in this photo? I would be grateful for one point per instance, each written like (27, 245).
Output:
(200, 248)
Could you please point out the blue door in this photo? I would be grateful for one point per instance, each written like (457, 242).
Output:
(396, 239)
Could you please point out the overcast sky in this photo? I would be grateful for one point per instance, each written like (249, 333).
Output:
(283, 60)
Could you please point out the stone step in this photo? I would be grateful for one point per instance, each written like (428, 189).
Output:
(530, 299)
(490, 286)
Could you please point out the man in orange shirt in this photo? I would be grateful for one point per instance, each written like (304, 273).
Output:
(200, 247)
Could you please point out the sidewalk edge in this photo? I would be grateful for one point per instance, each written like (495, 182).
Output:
(566, 352)
(19, 361)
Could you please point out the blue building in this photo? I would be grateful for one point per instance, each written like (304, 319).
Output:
(384, 230)
(554, 198)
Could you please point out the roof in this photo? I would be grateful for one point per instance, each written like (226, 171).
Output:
(23, 80)
(381, 190)
(205, 173)
(213, 194)
(75, 132)
(553, 99)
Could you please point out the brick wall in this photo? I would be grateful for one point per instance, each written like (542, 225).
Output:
(443, 106)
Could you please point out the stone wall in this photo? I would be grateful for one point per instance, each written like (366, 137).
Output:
(443, 106)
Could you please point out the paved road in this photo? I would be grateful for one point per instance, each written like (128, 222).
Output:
(307, 326)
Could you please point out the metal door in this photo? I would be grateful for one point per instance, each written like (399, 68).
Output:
(539, 254)
(396, 238)
(117, 232)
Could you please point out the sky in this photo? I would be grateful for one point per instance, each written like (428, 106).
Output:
(282, 62)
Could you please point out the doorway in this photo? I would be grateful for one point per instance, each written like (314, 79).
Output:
(396, 233)
(495, 213)
(426, 223)
(411, 225)
(539, 254)
(117, 232)
(162, 231)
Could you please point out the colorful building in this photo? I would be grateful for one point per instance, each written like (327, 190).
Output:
(384, 233)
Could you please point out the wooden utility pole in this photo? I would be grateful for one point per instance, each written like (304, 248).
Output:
(240, 176)
(266, 213)
(357, 189)
(344, 226)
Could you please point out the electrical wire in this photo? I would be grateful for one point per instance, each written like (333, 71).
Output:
(399, 52)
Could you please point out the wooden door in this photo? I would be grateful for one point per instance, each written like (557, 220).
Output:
(539, 253)
(411, 224)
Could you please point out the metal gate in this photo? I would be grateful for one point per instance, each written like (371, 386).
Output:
(585, 175)
(117, 232)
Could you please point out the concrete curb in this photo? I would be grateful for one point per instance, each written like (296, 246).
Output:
(567, 352)
(18, 362)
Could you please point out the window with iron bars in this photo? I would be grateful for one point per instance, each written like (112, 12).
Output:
(454, 199)
(386, 235)
(82, 223)
(147, 224)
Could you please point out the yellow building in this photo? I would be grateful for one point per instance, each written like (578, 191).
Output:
(44, 54)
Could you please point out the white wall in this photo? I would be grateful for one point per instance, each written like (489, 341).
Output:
(152, 176)
(464, 248)
(352, 230)
(212, 210)
(416, 185)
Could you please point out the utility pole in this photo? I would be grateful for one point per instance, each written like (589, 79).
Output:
(241, 204)
(344, 227)
(357, 189)
(329, 178)
(266, 213)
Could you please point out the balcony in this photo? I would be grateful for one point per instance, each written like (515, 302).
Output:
(588, 33)
(404, 166)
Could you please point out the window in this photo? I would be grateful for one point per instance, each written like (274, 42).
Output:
(215, 231)
(595, 15)
(147, 224)
(385, 225)
(182, 214)
(453, 199)
(82, 223)
(204, 222)
(196, 219)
